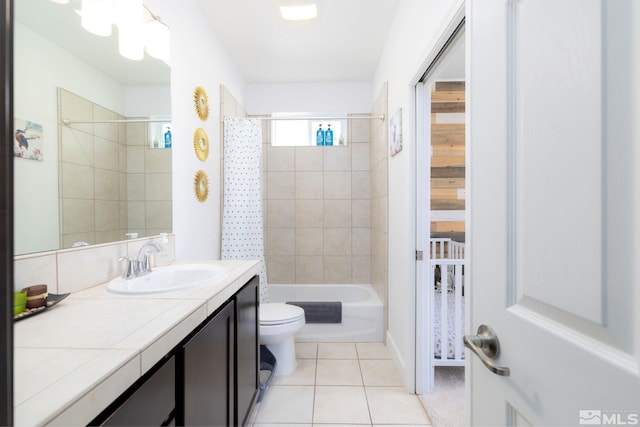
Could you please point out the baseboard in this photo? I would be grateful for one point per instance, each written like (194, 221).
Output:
(399, 362)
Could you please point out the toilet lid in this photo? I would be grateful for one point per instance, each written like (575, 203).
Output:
(277, 313)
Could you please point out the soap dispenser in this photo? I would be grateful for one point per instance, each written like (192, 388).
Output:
(328, 136)
(320, 135)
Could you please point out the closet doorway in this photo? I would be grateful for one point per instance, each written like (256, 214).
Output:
(440, 229)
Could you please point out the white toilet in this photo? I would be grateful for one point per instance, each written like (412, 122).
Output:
(279, 322)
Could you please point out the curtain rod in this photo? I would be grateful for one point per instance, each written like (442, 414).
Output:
(67, 122)
(363, 117)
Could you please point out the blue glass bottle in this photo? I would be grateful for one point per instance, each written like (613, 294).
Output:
(320, 136)
(328, 136)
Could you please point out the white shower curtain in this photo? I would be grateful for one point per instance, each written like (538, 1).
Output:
(242, 231)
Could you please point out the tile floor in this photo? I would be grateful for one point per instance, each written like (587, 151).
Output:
(340, 384)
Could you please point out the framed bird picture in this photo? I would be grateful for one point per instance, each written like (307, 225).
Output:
(28, 139)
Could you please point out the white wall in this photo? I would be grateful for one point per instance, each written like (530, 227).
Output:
(197, 59)
(348, 97)
(142, 101)
(39, 68)
(417, 26)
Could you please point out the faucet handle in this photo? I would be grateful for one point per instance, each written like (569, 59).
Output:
(130, 270)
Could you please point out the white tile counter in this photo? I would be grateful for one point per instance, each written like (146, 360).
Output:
(74, 359)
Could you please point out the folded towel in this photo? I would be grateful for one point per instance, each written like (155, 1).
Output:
(320, 311)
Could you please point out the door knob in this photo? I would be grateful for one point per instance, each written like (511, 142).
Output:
(487, 347)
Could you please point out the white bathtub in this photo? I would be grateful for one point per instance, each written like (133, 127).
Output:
(362, 312)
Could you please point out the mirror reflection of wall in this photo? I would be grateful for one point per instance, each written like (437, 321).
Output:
(48, 55)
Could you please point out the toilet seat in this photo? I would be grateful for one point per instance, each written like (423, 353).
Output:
(278, 313)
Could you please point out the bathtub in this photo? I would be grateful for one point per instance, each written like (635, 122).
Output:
(362, 312)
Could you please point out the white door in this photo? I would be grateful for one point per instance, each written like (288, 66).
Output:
(554, 230)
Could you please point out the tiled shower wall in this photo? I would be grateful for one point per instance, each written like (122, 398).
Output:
(318, 210)
(111, 182)
(379, 199)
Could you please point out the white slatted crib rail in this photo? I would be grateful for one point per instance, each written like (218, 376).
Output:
(448, 256)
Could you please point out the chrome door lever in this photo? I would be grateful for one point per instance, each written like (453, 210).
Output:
(487, 347)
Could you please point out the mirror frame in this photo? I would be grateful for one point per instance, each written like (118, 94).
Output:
(6, 215)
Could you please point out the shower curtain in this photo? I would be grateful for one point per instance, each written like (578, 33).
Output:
(242, 231)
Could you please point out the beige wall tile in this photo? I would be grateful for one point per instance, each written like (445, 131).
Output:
(107, 184)
(159, 215)
(337, 158)
(337, 269)
(135, 159)
(158, 186)
(137, 134)
(74, 107)
(76, 146)
(108, 131)
(135, 186)
(309, 213)
(337, 185)
(281, 241)
(107, 215)
(361, 269)
(309, 241)
(280, 185)
(281, 269)
(106, 154)
(360, 241)
(35, 269)
(69, 239)
(360, 156)
(280, 158)
(77, 181)
(309, 185)
(309, 158)
(360, 185)
(359, 130)
(337, 241)
(360, 213)
(77, 216)
(281, 213)
(136, 213)
(337, 213)
(308, 269)
(157, 160)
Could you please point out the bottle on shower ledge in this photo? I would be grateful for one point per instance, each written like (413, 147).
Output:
(328, 136)
(167, 138)
(320, 135)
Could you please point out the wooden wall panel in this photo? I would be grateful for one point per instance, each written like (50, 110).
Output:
(448, 156)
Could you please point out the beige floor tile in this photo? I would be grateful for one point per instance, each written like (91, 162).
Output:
(304, 374)
(340, 404)
(338, 372)
(372, 350)
(306, 350)
(380, 373)
(286, 404)
(393, 405)
(337, 350)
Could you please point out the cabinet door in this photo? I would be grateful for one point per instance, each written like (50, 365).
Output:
(208, 372)
(247, 350)
(151, 404)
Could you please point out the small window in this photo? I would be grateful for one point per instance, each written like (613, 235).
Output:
(302, 129)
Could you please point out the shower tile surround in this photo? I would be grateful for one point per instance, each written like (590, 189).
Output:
(317, 210)
(111, 182)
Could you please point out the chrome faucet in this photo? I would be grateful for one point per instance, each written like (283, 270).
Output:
(140, 265)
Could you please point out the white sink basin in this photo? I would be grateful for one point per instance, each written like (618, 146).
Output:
(168, 279)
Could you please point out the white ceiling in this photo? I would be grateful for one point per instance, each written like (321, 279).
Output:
(343, 44)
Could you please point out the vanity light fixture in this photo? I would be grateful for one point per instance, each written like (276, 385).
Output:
(138, 28)
(97, 16)
(298, 10)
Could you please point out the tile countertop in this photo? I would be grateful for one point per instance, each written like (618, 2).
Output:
(73, 360)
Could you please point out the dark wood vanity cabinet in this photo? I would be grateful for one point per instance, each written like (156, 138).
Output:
(247, 350)
(208, 394)
(210, 379)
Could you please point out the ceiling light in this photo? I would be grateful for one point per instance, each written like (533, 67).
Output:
(96, 16)
(60, 1)
(298, 10)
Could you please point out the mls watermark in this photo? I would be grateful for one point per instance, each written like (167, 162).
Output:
(601, 417)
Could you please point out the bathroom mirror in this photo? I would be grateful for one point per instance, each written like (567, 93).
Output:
(54, 55)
